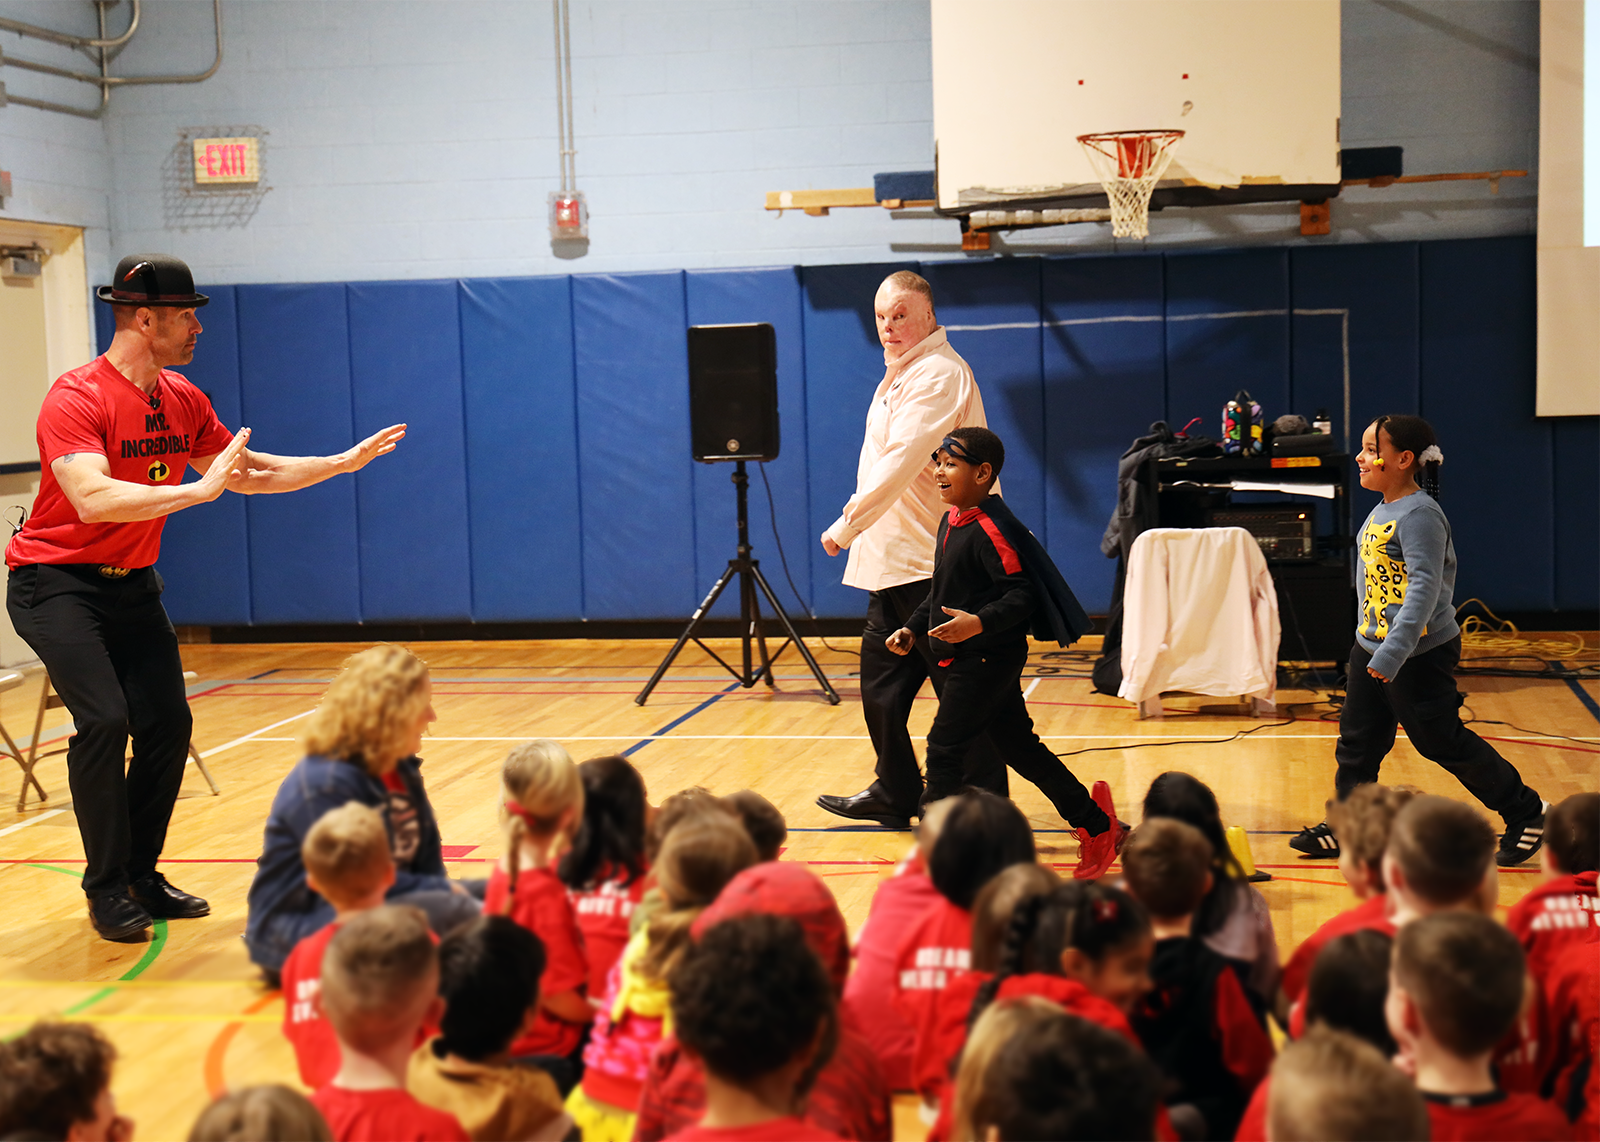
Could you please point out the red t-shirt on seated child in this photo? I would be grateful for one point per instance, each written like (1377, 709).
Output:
(389, 1115)
(603, 913)
(936, 950)
(774, 1130)
(540, 905)
(1497, 1117)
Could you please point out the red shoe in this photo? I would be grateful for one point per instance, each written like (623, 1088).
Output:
(1099, 851)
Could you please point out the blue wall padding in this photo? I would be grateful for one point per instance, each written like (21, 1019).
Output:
(104, 325)
(1005, 361)
(1478, 317)
(205, 551)
(1104, 378)
(1577, 506)
(547, 473)
(717, 297)
(844, 364)
(294, 369)
(405, 366)
(522, 449)
(1211, 358)
(634, 470)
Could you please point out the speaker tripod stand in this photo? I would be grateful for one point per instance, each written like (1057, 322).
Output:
(750, 578)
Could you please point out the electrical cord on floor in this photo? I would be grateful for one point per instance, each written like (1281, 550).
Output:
(1565, 655)
(772, 514)
(1473, 719)
(1290, 720)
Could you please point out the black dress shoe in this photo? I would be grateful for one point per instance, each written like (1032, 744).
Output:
(117, 917)
(867, 805)
(164, 901)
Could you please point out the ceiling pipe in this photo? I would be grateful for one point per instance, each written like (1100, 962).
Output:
(72, 41)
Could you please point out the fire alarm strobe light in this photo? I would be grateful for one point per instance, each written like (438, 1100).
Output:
(569, 216)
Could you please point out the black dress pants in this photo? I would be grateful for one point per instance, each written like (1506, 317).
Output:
(983, 697)
(889, 685)
(113, 658)
(1423, 698)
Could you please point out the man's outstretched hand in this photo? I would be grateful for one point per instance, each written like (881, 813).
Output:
(379, 443)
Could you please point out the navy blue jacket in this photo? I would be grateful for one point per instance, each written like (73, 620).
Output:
(282, 907)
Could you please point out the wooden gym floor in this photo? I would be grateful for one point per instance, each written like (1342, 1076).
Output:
(190, 1016)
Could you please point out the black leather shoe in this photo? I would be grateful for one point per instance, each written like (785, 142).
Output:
(867, 805)
(116, 916)
(166, 902)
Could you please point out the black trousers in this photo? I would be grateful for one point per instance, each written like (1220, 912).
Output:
(982, 695)
(889, 685)
(1423, 698)
(113, 657)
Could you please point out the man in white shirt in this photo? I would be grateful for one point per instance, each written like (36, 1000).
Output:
(889, 526)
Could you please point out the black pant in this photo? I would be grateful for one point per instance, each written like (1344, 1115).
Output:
(889, 685)
(983, 695)
(1423, 698)
(113, 657)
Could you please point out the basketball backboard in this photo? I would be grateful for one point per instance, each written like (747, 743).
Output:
(1253, 84)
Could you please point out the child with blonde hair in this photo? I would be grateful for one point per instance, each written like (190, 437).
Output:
(270, 1112)
(1333, 1087)
(542, 796)
(380, 986)
(347, 861)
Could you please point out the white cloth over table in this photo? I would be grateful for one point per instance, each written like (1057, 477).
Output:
(1199, 614)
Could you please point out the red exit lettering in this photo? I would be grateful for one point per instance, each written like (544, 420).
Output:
(226, 160)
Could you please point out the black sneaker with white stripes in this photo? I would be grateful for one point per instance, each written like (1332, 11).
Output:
(1317, 842)
(1522, 839)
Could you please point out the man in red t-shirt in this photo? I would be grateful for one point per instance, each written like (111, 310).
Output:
(114, 439)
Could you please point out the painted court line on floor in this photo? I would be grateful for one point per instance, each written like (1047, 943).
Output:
(45, 816)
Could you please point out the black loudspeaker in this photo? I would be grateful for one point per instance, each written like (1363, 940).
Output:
(733, 392)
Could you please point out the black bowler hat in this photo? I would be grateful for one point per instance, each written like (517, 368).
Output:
(154, 280)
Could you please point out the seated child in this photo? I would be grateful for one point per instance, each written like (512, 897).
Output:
(1334, 1087)
(849, 1097)
(1440, 857)
(544, 806)
(380, 985)
(55, 1082)
(1455, 988)
(981, 835)
(1560, 912)
(1361, 822)
(762, 821)
(1196, 1024)
(900, 900)
(1348, 991)
(489, 973)
(752, 1003)
(998, 1025)
(347, 861)
(270, 1112)
(1059, 1076)
(981, 604)
(698, 858)
(1572, 988)
(605, 868)
(1233, 920)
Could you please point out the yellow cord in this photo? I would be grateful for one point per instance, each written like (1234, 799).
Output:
(1502, 637)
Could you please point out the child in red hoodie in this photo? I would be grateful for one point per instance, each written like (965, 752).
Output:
(346, 854)
(1455, 988)
(543, 800)
(1560, 912)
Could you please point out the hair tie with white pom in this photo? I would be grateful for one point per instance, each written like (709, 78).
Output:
(1431, 455)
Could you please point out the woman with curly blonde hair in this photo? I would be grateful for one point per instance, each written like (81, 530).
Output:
(361, 745)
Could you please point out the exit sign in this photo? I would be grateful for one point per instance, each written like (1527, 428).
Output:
(227, 161)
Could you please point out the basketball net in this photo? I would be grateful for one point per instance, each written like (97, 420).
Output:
(1129, 164)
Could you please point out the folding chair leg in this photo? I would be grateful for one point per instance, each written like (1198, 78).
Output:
(200, 764)
(1150, 707)
(27, 772)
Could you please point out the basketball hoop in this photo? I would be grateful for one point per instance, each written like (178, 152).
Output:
(1129, 164)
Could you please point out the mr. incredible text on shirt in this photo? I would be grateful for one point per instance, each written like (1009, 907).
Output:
(145, 438)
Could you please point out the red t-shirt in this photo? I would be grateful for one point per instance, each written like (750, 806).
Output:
(1253, 1126)
(1572, 990)
(937, 948)
(1557, 914)
(603, 913)
(1497, 1117)
(869, 993)
(316, 1047)
(541, 906)
(1367, 914)
(774, 1130)
(145, 439)
(384, 1116)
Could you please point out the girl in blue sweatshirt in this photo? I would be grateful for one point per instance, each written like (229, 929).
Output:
(1402, 667)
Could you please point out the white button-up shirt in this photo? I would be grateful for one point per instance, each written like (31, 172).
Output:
(889, 525)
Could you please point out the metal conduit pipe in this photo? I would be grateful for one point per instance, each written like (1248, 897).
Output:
(72, 41)
(104, 81)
